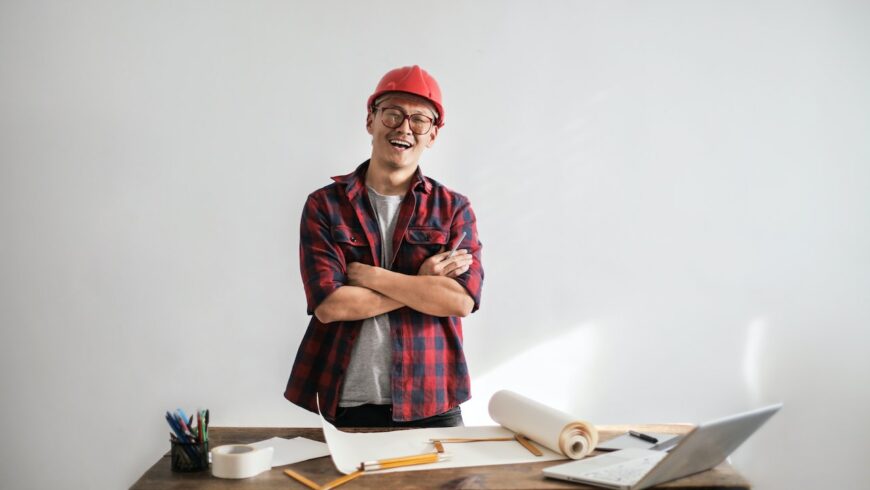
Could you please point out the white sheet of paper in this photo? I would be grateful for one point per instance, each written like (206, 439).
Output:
(293, 450)
(350, 449)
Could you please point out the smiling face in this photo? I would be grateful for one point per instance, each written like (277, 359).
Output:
(399, 147)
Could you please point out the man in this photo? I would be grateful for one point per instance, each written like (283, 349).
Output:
(384, 345)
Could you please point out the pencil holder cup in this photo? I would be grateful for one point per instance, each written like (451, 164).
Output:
(188, 456)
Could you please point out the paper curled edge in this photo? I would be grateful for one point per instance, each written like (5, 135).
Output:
(551, 428)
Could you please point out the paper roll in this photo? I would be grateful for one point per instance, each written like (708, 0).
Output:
(551, 428)
(240, 461)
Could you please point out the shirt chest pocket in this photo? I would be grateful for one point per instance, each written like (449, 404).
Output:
(352, 244)
(424, 243)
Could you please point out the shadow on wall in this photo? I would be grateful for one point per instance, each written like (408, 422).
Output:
(558, 372)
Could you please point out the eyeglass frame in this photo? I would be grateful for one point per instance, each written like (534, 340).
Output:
(407, 117)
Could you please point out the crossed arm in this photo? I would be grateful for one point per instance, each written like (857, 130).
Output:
(371, 291)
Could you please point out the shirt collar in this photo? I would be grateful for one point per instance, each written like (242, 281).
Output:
(355, 181)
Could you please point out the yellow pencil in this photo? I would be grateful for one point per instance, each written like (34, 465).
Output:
(301, 479)
(342, 480)
(528, 445)
(472, 439)
(384, 464)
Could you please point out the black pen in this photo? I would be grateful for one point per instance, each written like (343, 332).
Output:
(643, 437)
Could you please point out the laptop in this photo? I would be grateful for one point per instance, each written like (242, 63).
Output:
(702, 448)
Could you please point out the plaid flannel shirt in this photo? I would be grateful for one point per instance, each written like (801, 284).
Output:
(429, 373)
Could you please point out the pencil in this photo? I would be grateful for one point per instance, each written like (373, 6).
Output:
(384, 464)
(472, 439)
(342, 480)
(528, 445)
(301, 479)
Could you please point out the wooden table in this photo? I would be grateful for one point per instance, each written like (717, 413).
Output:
(321, 470)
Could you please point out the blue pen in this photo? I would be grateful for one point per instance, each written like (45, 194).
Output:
(172, 425)
(181, 412)
(182, 438)
(185, 427)
(185, 422)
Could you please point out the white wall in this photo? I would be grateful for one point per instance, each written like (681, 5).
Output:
(673, 199)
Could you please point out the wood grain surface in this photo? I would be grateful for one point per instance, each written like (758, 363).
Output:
(321, 470)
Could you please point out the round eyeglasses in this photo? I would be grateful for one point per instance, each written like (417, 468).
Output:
(393, 118)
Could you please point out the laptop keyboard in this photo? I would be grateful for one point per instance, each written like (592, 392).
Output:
(628, 472)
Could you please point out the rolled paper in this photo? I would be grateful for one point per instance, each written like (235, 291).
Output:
(551, 428)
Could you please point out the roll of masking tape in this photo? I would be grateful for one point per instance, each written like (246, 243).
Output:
(240, 461)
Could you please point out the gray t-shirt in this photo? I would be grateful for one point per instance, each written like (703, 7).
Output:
(368, 375)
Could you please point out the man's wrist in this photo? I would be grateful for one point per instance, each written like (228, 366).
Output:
(374, 279)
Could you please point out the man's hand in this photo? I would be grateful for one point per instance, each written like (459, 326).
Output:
(440, 265)
(431, 291)
(358, 273)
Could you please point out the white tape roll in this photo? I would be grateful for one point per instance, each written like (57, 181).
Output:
(240, 461)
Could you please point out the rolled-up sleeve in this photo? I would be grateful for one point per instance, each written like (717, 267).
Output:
(321, 262)
(465, 221)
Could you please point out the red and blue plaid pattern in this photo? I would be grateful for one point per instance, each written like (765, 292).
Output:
(338, 227)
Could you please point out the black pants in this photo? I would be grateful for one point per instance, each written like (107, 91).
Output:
(382, 416)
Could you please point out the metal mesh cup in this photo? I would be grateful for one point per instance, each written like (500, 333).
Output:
(188, 456)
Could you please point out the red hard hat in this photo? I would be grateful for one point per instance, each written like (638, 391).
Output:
(413, 80)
